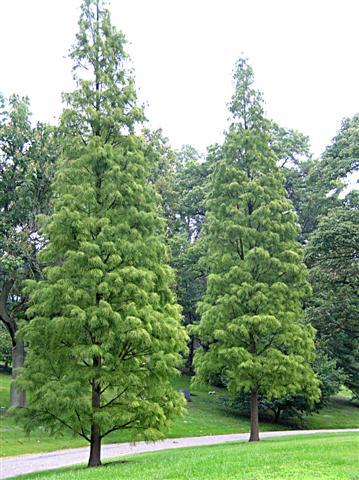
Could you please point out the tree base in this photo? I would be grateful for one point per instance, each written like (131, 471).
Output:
(94, 464)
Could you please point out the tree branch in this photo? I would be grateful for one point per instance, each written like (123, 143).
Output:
(117, 427)
(115, 398)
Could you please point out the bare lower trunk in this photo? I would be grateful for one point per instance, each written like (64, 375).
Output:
(17, 396)
(95, 447)
(191, 355)
(277, 415)
(95, 443)
(254, 436)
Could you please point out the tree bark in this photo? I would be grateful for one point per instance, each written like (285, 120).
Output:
(95, 440)
(192, 347)
(17, 396)
(95, 447)
(254, 436)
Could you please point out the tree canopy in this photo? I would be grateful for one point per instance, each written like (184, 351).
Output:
(252, 327)
(333, 256)
(105, 337)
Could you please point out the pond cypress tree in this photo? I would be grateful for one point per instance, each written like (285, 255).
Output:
(251, 326)
(105, 337)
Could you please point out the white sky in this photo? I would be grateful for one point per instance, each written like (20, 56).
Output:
(304, 54)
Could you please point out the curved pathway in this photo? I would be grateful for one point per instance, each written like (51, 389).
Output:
(12, 466)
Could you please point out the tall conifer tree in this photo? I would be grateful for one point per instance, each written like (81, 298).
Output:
(251, 326)
(105, 337)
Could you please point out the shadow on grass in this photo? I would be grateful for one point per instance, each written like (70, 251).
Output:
(117, 462)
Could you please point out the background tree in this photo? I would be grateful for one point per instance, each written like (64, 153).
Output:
(252, 326)
(290, 146)
(180, 179)
(341, 157)
(164, 164)
(27, 159)
(104, 312)
(316, 185)
(300, 181)
(186, 247)
(304, 182)
(333, 257)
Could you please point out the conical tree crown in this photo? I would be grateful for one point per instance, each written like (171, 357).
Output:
(251, 314)
(104, 103)
(246, 103)
(105, 339)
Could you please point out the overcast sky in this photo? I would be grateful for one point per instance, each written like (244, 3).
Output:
(304, 54)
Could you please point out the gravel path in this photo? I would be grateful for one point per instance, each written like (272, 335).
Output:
(12, 466)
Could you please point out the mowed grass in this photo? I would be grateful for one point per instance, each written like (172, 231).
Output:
(315, 457)
(340, 413)
(207, 415)
(5, 380)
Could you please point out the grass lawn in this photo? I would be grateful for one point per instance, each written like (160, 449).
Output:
(206, 416)
(340, 413)
(5, 380)
(327, 456)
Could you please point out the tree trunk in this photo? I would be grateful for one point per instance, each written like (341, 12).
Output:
(277, 413)
(17, 397)
(95, 443)
(191, 355)
(254, 436)
(95, 447)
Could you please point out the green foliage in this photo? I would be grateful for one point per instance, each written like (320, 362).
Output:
(5, 346)
(332, 255)
(190, 181)
(304, 182)
(105, 102)
(331, 379)
(330, 376)
(186, 246)
(309, 192)
(105, 336)
(315, 186)
(27, 156)
(290, 146)
(252, 325)
(180, 178)
(341, 157)
(163, 173)
(301, 180)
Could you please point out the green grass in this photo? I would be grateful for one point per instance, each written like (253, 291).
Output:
(329, 457)
(340, 413)
(207, 415)
(5, 380)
